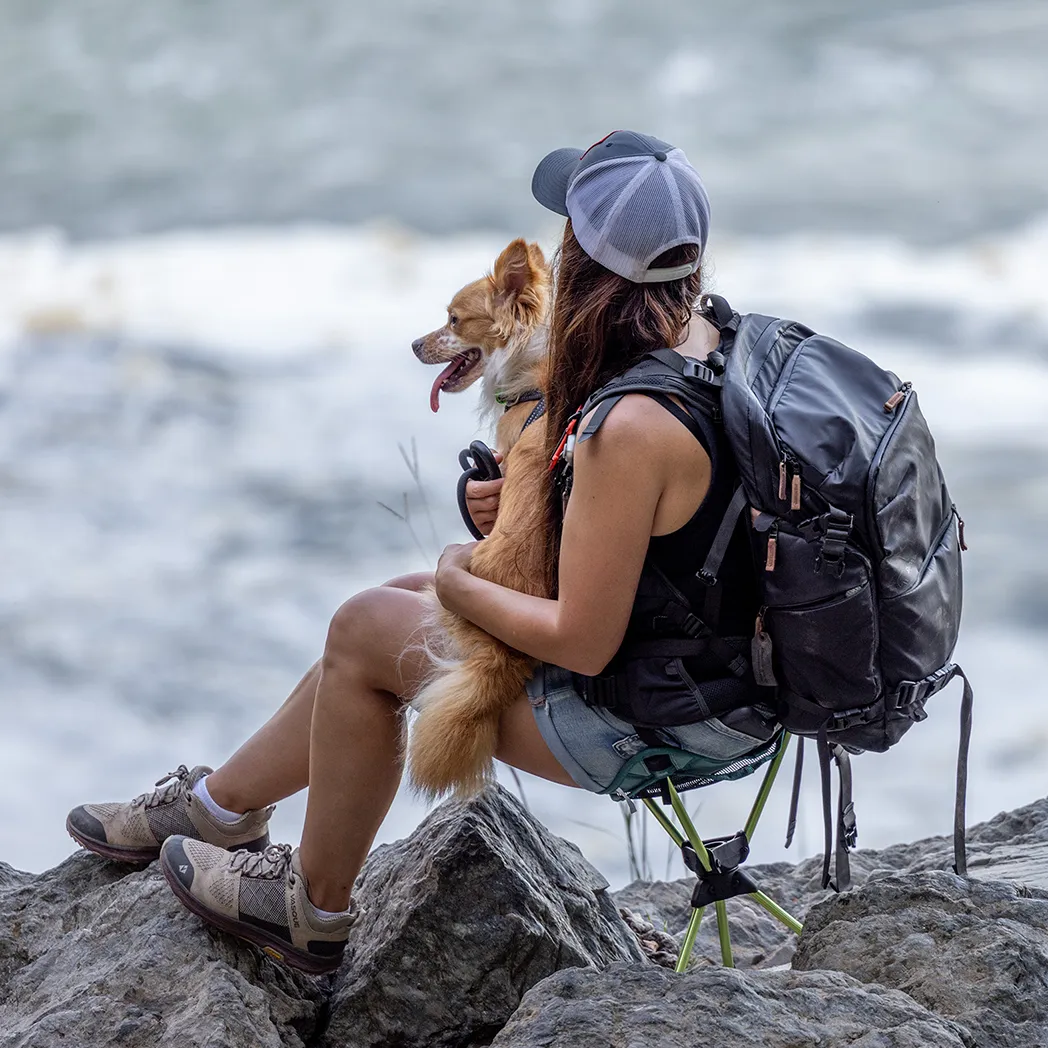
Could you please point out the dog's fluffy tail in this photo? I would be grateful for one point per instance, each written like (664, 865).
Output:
(454, 737)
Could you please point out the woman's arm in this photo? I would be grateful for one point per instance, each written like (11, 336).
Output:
(620, 477)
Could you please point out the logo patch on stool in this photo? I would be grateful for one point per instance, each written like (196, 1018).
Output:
(628, 746)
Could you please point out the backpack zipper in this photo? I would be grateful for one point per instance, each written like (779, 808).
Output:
(773, 548)
(829, 601)
(871, 521)
(936, 542)
(790, 480)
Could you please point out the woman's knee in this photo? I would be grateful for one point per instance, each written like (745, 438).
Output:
(349, 628)
(414, 582)
(373, 636)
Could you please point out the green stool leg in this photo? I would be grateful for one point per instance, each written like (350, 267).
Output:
(684, 958)
(727, 959)
(777, 912)
(765, 791)
(664, 821)
(704, 859)
(689, 827)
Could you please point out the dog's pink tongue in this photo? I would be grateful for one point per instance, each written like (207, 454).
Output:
(434, 393)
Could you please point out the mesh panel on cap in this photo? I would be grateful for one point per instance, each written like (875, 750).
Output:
(627, 211)
(599, 189)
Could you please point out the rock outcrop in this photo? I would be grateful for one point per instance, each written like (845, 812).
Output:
(483, 928)
(94, 953)
(626, 1007)
(460, 919)
(974, 951)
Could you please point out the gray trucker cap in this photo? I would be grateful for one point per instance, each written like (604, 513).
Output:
(629, 197)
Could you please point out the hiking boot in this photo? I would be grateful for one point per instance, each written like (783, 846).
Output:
(134, 832)
(259, 897)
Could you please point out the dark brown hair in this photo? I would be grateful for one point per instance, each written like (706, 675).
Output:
(603, 324)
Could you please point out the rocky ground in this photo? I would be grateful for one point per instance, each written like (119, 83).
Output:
(483, 928)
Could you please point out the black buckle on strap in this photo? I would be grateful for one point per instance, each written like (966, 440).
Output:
(912, 694)
(600, 691)
(851, 833)
(836, 530)
(696, 369)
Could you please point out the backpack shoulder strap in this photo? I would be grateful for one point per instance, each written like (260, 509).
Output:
(661, 373)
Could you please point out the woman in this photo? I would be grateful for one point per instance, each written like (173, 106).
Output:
(628, 277)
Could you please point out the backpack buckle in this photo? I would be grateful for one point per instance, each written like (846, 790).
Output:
(836, 530)
(696, 369)
(851, 832)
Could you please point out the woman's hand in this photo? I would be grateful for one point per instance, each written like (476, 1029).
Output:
(453, 564)
(482, 500)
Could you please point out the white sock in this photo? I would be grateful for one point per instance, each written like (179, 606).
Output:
(327, 915)
(216, 809)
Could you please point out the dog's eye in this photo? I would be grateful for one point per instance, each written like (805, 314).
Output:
(453, 320)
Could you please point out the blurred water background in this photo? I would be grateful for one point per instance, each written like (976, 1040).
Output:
(221, 225)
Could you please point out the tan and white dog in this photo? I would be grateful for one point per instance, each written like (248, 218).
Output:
(496, 332)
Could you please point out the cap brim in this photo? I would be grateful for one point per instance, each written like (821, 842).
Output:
(549, 184)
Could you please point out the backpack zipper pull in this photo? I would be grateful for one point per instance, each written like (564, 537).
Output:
(789, 481)
(773, 548)
(960, 529)
(761, 654)
(897, 397)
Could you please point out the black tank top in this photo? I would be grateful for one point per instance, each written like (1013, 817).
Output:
(681, 553)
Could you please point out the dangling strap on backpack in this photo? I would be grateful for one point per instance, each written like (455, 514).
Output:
(847, 835)
(795, 795)
(960, 859)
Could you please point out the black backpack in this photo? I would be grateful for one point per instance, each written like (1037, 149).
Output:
(857, 541)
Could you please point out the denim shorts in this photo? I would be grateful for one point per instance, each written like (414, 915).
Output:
(593, 745)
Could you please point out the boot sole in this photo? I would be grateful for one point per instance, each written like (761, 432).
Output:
(272, 947)
(143, 856)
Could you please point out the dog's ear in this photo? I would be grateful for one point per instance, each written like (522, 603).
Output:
(514, 269)
(538, 259)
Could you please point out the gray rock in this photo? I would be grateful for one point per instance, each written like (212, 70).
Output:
(970, 950)
(632, 1007)
(462, 918)
(94, 954)
(481, 903)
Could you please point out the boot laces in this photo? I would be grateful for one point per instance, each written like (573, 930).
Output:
(170, 786)
(273, 862)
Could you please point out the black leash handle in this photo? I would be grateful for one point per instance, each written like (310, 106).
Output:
(478, 463)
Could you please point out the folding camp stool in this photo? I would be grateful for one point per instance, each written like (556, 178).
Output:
(717, 861)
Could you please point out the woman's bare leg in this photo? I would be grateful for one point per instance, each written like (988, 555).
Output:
(522, 746)
(373, 660)
(372, 656)
(274, 762)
